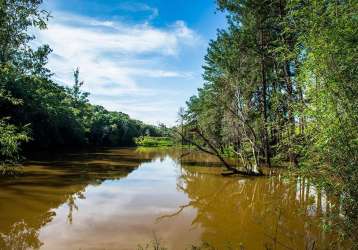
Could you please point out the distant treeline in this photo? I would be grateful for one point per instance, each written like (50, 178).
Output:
(38, 113)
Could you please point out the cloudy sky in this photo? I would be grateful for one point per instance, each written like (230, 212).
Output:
(140, 57)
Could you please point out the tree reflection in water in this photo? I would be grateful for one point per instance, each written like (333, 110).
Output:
(20, 237)
(258, 213)
(46, 184)
(229, 212)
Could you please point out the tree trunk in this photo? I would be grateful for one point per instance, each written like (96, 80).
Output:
(264, 97)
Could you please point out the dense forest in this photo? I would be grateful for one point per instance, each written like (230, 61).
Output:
(35, 111)
(281, 87)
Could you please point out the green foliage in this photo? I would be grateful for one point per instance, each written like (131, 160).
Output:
(247, 103)
(329, 73)
(281, 84)
(10, 139)
(149, 141)
(17, 61)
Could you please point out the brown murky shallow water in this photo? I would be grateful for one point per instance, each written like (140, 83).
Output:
(119, 198)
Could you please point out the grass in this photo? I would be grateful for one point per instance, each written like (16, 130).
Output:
(149, 141)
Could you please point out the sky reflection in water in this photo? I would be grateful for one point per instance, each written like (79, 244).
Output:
(119, 198)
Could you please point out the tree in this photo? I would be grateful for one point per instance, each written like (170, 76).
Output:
(281, 85)
(16, 57)
(329, 76)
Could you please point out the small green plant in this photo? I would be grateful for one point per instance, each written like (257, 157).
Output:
(10, 139)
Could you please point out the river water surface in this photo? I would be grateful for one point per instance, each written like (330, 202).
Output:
(123, 198)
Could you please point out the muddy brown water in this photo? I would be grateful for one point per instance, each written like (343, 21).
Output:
(123, 198)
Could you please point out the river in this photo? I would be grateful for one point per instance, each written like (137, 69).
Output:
(129, 198)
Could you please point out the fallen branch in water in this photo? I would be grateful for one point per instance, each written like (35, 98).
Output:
(244, 173)
(232, 170)
(181, 208)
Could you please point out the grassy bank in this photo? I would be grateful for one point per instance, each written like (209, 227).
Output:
(150, 141)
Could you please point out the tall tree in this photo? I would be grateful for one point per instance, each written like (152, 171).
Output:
(281, 84)
(16, 58)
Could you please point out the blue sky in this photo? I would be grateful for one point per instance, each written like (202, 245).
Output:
(143, 58)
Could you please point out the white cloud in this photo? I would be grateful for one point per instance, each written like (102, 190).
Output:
(141, 110)
(112, 55)
(139, 7)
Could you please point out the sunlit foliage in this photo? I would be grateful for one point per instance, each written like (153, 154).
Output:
(281, 86)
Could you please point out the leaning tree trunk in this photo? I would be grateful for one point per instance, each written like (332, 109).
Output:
(215, 152)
